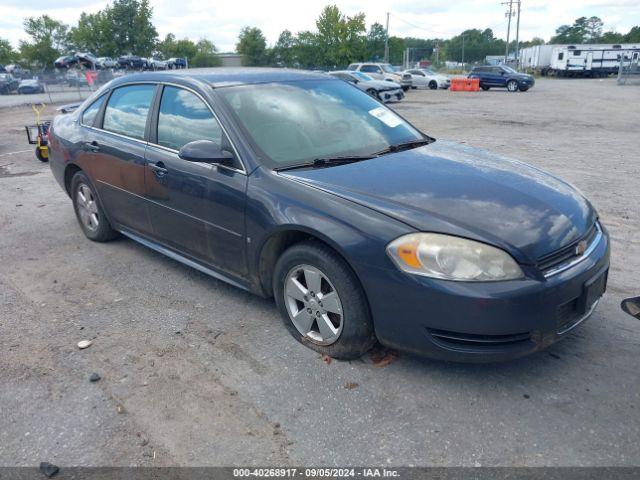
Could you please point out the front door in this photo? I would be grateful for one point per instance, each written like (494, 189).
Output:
(119, 147)
(196, 208)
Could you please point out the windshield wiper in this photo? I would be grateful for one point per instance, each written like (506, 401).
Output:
(327, 162)
(398, 147)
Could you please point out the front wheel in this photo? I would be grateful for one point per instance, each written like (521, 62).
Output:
(512, 86)
(433, 85)
(321, 301)
(372, 92)
(88, 210)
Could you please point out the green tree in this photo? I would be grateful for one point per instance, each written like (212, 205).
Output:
(307, 50)
(283, 50)
(633, 36)
(49, 38)
(252, 46)
(7, 53)
(129, 24)
(93, 33)
(375, 42)
(583, 30)
(205, 55)
(341, 38)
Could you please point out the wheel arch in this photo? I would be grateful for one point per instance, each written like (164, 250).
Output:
(69, 171)
(272, 247)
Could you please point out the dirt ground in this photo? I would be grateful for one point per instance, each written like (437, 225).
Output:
(196, 372)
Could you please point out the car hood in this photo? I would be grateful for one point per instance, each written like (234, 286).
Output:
(451, 188)
(382, 84)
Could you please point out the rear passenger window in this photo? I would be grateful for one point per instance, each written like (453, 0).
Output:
(89, 115)
(127, 110)
(370, 68)
(184, 118)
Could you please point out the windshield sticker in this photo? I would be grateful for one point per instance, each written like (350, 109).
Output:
(387, 117)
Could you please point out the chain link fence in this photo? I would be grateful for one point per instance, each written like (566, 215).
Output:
(66, 86)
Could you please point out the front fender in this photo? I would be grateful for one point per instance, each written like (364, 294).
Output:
(277, 204)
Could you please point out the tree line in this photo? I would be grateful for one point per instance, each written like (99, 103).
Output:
(125, 26)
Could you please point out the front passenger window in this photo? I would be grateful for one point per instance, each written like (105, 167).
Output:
(184, 118)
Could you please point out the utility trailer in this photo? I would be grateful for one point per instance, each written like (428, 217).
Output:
(575, 61)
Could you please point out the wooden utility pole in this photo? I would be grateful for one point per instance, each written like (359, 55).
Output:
(518, 35)
(509, 14)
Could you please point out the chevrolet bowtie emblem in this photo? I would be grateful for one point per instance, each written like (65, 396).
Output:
(581, 247)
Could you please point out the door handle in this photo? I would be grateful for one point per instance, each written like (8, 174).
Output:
(92, 146)
(158, 168)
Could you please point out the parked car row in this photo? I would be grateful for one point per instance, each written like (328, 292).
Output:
(132, 62)
(383, 81)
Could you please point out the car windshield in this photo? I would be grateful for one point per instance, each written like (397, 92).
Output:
(361, 76)
(388, 68)
(297, 122)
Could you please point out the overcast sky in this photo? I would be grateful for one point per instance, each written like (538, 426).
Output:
(221, 21)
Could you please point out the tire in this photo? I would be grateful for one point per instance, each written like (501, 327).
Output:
(512, 85)
(372, 92)
(351, 333)
(102, 230)
(40, 157)
(405, 88)
(484, 87)
(433, 85)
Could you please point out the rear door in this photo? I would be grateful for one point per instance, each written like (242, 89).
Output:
(118, 148)
(196, 208)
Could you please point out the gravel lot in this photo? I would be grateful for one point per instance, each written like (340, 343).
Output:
(195, 372)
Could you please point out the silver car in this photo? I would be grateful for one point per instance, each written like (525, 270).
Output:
(384, 90)
(383, 71)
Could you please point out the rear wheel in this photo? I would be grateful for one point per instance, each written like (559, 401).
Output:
(89, 212)
(433, 85)
(484, 87)
(321, 301)
(372, 92)
(512, 86)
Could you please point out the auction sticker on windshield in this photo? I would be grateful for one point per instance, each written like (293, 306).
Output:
(385, 116)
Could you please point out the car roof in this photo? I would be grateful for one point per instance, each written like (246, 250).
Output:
(226, 76)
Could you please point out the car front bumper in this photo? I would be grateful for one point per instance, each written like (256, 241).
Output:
(391, 95)
(483, 322)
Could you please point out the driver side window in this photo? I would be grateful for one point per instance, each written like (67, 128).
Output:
(183, 117)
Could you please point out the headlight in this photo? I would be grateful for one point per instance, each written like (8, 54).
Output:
(452, 258)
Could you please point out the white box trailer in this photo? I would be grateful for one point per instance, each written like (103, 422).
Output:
(536, 58)
(587, 61)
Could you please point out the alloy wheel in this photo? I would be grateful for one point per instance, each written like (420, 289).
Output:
(313, 305)
(87, 207)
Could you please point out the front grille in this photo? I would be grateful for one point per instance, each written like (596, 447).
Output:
(456, 339)
(566, 253)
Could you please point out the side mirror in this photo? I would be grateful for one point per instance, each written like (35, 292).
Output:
(631, 306)
(205, 151)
